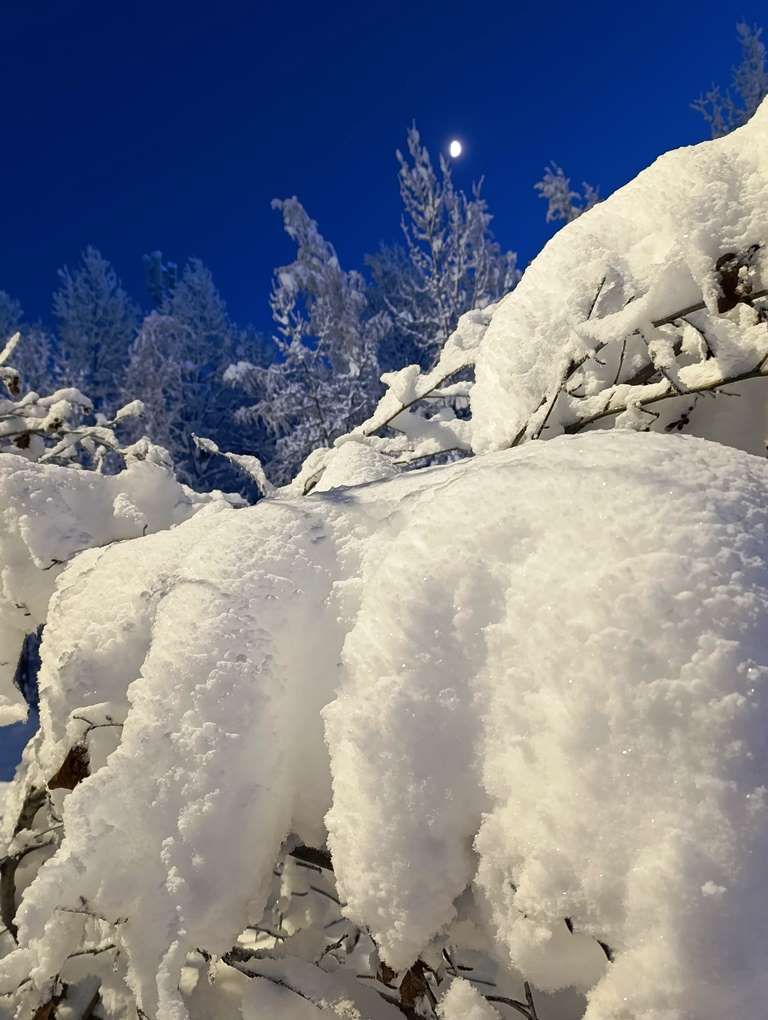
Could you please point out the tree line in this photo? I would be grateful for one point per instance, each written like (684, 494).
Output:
(199, 373)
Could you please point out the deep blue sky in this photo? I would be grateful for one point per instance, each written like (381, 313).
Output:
(136, 126)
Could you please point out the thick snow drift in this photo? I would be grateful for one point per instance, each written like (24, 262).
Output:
(47, 515)
(539, 676)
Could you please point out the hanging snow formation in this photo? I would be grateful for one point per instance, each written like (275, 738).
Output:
(539, 675)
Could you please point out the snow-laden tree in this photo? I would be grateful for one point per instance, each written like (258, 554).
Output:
(324, 379)
(599, 331)
(451, 262)
(328, 754)
(724, 111)
(10, 316)
(34, 358)
(54, 506)
(176, 368)
(160, 277)
(156, 371)
(96, 322)
(197, 304)
(58, 427)
(563, 203)
(479, 741)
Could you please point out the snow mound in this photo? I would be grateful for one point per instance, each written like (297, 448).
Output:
(559, 711)
(649, 250)
(48, 514)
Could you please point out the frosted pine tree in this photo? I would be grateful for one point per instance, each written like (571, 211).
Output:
(97, 323)
(451, 261)
(724, 111)
(563, 203)
(176, 369)
(34, 358)
(325, 379)
(10, 316)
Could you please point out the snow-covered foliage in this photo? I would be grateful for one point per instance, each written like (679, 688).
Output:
(57, 427)
(160, 277)
(481, 738)
(563, 203)
(500, 720)
(451, 262)
(34, 358)
(48, 514)
(325, 378)
(96, 322)
(724, 111)
(647, 313)
(176, 368)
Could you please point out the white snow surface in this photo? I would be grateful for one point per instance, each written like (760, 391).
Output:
(48, 514)
(540, 675)
(646, 252)
(464, 1002)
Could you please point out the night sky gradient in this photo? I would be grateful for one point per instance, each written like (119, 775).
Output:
(141, 126)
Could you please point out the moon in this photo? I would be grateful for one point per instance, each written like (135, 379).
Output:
(455, 149)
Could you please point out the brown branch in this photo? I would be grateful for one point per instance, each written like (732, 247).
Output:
(521, 1007)
(421, 396)
(232, 959)
(638, 379)
(33, 801)
(95, 951)
(311, 855)
(757, 373)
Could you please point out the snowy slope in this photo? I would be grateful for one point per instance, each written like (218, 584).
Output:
(538, 675)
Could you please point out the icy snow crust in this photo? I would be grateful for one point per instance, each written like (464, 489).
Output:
(540, 674)
(48, 514)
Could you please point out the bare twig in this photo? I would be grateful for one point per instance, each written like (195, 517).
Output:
(311, 855)
(520, 1007)
(759, 372)
(95, 951)
(641, 377)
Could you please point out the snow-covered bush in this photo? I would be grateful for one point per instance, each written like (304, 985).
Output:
(49, 514)
(52, 507)
(524, 730)
(647, 312)
(481, 740)
(59, 427)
